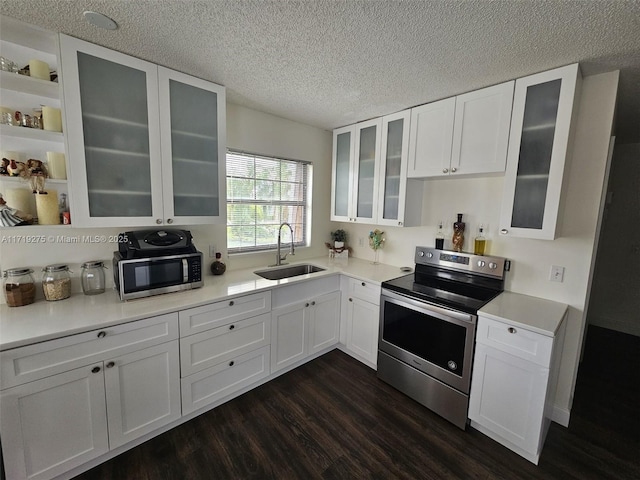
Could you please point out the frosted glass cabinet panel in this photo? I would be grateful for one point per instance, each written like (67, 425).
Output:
(146, 145)
(111, 134)
(367, 154)
(192, 124)
(341, 175)
(538, 147)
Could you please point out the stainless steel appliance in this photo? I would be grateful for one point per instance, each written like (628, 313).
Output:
(428, 324)
(151, 262)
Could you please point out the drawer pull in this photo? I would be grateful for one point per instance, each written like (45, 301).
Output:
(95, 369)
(111, 364)
(511, 330)
(231, 327)
(231, 363)
(102, 334)
(351, 299)
(306, 304)
(231, 303)
(364, 284)
(313, 303)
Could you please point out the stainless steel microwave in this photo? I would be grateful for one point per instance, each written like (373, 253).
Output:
(143, 277)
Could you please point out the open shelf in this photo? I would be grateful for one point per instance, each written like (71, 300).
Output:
(30, 85)
(31, 133)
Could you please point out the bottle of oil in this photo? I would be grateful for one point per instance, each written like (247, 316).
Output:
(480, 242)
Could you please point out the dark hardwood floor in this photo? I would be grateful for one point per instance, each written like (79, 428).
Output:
(332, 418)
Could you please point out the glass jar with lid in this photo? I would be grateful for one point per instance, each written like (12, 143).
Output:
(19, 287)
(92, 277)
(56, 282)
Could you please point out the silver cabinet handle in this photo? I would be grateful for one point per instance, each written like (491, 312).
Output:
(454, 169)
(504, 231)
(111, 365)
(158, 221)
(445, 170)
(102, 334)
(511, 330)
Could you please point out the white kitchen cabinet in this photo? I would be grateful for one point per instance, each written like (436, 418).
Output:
(142, 391)
(69, 400)
(20, 42)
(54, 424)
(463, 135)
(362, 320)
(539, 146)
(355, 172)
(148, 145)
(304, 328)
(513, 384)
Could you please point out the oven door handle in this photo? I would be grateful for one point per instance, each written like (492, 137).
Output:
(428, 307)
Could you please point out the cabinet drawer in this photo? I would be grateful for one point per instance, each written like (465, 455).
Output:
(364, 290)
(515, 340)
(214, 346)
(26, 364)
(200, 319)
(208, 386)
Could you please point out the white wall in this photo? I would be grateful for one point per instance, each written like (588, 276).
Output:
(247, 130)
(615, 299)
(479, 199)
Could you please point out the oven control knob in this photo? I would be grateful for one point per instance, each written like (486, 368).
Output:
(481, 263)
(429, 255)
(452, 365)
(421, 253)
(493, 266)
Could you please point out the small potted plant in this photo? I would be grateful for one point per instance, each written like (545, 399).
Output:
(339, 237)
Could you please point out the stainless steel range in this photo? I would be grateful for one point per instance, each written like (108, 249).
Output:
(428, 325)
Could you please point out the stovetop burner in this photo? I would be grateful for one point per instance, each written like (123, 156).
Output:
(459, 281)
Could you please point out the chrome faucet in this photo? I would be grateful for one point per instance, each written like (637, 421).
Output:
(279, 257)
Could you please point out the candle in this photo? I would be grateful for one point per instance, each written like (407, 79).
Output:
(47, 207)
(56, 165)
(39, 69)
(52, 119)
(20, 199)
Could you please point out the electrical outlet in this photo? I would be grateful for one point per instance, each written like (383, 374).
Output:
(556, 274)
(212, 251)
(361, 242)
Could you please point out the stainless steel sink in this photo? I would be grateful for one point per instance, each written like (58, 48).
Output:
(287, 272)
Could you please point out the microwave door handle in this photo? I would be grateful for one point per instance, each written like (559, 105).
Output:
(185, 271)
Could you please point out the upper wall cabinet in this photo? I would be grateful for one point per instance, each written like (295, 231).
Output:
(463, 135)
(541, 127)
(145, 144)
(355, 172)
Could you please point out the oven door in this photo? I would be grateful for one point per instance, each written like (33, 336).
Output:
(435, 340)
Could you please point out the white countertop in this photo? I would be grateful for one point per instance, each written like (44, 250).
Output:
(45, 320)
(532, 313)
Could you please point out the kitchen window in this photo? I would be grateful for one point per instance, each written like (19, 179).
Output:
(262, 193)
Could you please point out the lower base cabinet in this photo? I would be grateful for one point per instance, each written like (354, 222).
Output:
(55, 424)
(363, 326)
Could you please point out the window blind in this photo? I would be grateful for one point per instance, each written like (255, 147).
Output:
(262, 193)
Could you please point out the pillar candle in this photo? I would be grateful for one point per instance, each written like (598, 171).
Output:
(39, 69)
(56, 165)
(20, 199)
(47, 207)
(52, 119)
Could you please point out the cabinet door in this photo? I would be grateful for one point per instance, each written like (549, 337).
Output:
(288, 335)
(324, 322)
(55, 424)
(393, 168)
(143, 392)
(111, 107)
(192, 126)
(481, 130)
(342, 174)
(366, 170)
(543, 105)
(507, 397)
(430, 139)
(363, 320)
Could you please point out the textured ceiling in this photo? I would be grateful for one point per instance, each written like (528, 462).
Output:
(330, 63)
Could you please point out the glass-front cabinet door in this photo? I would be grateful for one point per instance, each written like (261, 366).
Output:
(192, 125)
(366, 170)
(393, 168)
(342, 174)
(112, 135)
(538, 146)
